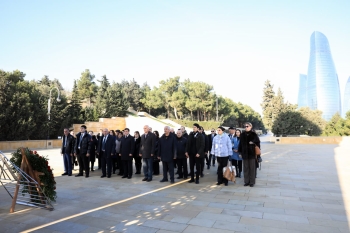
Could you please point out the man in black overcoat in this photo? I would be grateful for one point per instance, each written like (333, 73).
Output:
(195, 150)
(167, 154)
(127, 147)
(147, 147)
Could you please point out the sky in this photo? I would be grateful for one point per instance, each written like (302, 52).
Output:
(233, 45)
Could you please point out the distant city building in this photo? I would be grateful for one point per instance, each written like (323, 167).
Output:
(322, 85)
(302, 96)
(346, 100)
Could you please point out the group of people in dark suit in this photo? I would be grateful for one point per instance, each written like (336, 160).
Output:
(117, 151)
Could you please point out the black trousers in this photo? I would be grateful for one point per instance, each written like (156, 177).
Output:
(238, 165)
(114, 164)
(156, 167)
(168, 166)
(127, 165)
(182, 167)
(211, 157)
(222, 162)
(198, 162)
(138, 163)
(106, 161)
(120, 165)
(83, 161)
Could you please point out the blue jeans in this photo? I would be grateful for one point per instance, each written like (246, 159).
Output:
(148, 168)
(67, 161)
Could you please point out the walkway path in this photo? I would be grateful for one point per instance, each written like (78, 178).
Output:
(301, 188)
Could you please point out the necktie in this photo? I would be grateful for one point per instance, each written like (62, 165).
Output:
(65, 142)
(145, 136)
(104, 143)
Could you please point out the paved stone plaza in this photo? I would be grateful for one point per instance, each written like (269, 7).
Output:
(301, 188)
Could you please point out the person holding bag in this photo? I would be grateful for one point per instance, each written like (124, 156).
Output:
(222, 149)
(249, 140)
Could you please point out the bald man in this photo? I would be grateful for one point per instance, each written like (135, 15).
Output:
(105, 150)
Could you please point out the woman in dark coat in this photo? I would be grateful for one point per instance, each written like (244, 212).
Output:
(93, 148)
(155, 157)
(137, 158)
(246, 149)
(116, 158)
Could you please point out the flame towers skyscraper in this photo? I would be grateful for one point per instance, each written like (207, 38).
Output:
(346, 100)
(322, 85)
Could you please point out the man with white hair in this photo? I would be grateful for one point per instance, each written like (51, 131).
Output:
(167, 154)
(147, 147)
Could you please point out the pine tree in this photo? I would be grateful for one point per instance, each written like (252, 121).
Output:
(267, 105)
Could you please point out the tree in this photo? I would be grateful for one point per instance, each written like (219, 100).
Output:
(168, 88)
(267, 104)
(336, 126)
(86, 86)
(152, 99)
(102, 100)
(116, 103)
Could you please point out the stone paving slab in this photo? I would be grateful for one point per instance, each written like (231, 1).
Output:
(301, 188)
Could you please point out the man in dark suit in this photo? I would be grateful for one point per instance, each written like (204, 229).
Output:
(147, 147)
(67, 151)
(206, 149)
(167, 154)
(210, 144)
(127, 147)
(105, 150)
(195, 150)
(82, 151)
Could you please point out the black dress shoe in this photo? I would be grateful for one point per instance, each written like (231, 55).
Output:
(137, 173)
(163, 180)
(218, 183)
(70, 175)
(172, 182)
(197, 181)
(87, 176)
(78, 175)
(149, 180)
(226, 184)
(208, 167)
(108, 176)
(120, 174)
(191, 181)
(129, 177)
(246, 184)
(144, 179)
(124, 177)
(202, 175)
(103, 176)
(64, 174)
(252, 185)
(179, 177)
(92, 170)
(76, 163)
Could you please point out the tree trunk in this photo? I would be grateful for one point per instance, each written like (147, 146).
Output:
(175, 113)
(191, 115)
(198, 115)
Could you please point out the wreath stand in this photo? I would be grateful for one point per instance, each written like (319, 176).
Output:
(23, 180)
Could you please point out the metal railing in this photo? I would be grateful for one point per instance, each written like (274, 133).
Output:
(29, 191)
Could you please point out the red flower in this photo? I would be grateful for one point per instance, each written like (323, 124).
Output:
(31, 152)
(35, 152)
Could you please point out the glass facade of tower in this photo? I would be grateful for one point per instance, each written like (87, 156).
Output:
(302, 95)
(323, 91)
(346, 100)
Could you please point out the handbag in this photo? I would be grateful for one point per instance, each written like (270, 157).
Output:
(229, 172)
(257, 151)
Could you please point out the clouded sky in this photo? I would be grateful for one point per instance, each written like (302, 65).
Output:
(233, 45)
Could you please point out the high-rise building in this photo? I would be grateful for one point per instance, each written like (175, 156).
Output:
(346, 100)
(302, 95)
(323, 91)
